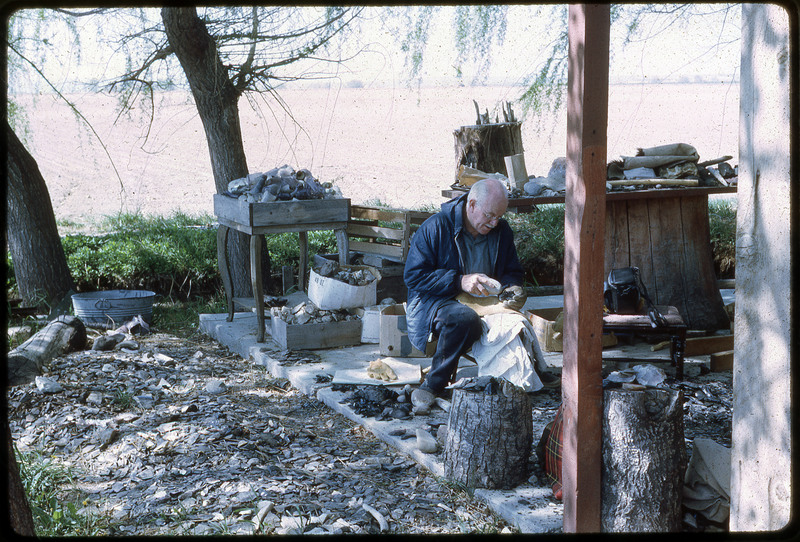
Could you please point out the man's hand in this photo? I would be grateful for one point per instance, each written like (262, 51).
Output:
(514, 297)
(479, 284)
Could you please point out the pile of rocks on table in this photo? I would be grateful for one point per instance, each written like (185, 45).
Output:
(281, 184)
(308, 313)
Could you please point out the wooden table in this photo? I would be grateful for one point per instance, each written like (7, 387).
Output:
(665, 233)
(258, 219)
(640, 324)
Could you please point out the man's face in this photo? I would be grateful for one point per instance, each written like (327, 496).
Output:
(483, 216)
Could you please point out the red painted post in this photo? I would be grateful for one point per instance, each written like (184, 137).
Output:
(584, 237)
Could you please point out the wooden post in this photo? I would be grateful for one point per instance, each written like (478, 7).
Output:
(584, 235)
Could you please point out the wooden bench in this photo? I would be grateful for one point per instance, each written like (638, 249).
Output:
(389, 241)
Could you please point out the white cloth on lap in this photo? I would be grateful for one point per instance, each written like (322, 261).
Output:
(506, 348)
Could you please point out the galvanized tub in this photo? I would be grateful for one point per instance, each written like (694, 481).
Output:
(112, 308)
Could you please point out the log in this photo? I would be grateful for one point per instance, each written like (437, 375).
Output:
(644, 460)
(485, 146)
(722, 361)
(700, 346)
(64, 334)
(489, 435)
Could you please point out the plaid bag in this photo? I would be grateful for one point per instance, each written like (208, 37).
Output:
(549, 451)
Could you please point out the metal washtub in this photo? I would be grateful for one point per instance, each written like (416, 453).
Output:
(111, 308)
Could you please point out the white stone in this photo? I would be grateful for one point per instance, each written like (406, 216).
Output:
(215, 386)
(45, 384)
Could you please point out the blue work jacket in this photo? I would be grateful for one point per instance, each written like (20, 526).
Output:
(434, 265)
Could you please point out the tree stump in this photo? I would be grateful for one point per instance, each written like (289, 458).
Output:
(64, 334)
(644, 461)
(489, 435)
(669, 240)
(485, 146)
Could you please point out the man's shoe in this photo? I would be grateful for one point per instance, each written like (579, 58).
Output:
(549, 380)
(422, 400)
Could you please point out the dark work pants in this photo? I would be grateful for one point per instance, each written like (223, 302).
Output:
(457, 327)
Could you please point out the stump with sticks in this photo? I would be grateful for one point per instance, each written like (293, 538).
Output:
(484, 145)
(489, 436)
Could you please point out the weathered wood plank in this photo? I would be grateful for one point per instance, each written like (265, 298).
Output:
(701, 346)
(393, 252)
(617, 241)
(704, 306)
(279, 213)
(584, 236)
(666, 280)
(722, 361)
(316, 336)
(365, 230)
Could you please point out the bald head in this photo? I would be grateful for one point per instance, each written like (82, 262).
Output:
(486, 203)
(488, 189)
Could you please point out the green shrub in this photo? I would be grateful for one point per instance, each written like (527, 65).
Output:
(722, 226)
(166, 255)
(56, 510)
(539, 238)
(284, 248)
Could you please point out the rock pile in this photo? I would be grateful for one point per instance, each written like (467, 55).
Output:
(353, 277)
(281, 184)
(308, 313)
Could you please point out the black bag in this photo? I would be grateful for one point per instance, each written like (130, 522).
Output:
(624, 293)
(621, 291)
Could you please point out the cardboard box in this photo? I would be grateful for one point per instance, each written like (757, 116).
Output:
(394, 334)
(316, 336)
(331, 294)
(543, 321)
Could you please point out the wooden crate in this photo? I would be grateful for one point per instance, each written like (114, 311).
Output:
(279, 213)
(367, 236)
(316, 336)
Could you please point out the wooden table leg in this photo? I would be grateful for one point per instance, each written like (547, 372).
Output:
(224, 271)
(301, 272)
(676, 350)
(258, 287)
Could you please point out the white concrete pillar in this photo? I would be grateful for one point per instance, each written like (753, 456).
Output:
(761, 452)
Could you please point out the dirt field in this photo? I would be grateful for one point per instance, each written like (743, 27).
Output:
(393, 145)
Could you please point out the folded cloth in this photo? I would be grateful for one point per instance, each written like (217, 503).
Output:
(508, 348)
(707, 484)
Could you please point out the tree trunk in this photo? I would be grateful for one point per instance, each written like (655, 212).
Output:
(489, 436)
(644, 460)
(19, 511)
(64, 334)
(217, 104)
(485, 146)
(40, 265)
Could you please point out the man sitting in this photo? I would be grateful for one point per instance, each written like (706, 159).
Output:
(466, 247)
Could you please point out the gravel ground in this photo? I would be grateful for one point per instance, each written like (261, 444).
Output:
(182, 437)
